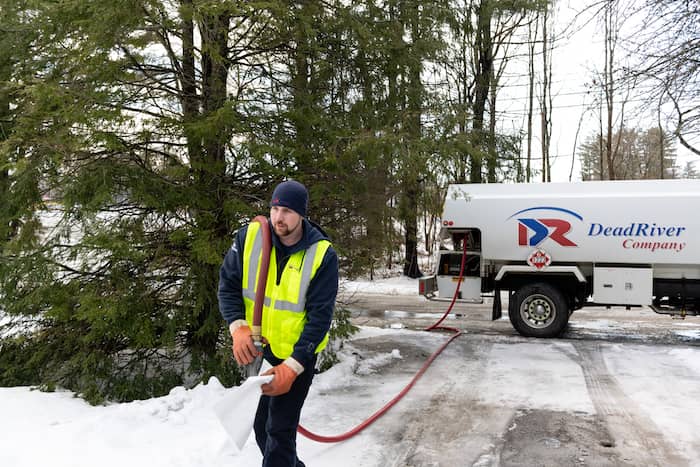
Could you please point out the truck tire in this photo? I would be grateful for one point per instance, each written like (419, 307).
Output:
(538, 310)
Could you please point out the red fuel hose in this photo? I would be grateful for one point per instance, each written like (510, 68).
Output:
(262, 277)
(434, 327)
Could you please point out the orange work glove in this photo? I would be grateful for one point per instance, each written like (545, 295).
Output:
(244, 350)
(282, 382)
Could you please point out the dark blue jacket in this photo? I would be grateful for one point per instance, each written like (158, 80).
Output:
(320, 297)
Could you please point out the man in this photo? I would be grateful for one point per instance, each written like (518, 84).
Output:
(295, 323)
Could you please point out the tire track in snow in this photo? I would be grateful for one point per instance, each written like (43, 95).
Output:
(635, 435)
(443, 423)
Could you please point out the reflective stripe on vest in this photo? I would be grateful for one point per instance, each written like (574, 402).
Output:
(284, 312)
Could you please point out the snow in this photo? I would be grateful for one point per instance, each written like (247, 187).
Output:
(181, 428)
(672, 403)
(401, 285)
(557, 385)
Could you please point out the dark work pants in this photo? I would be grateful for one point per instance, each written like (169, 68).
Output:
(277, 419)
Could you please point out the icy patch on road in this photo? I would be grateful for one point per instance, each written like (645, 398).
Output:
(365, 332)
(373, 365)
(376, 363)
(598, 324)
(688, 335)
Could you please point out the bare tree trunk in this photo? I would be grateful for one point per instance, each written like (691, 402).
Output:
(484, 70)
(573, 153)
(464, 101)
(411, 268)
(531, 94)
(492, 161)
(188, 81)
(609, 85)
(662, 154)
(546, 103)
(207, 159)
(7, 229)
(302, 95)
(601, 149)
(505, 26)
(411, 177)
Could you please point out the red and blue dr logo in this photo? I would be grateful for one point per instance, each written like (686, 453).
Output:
(533, 231)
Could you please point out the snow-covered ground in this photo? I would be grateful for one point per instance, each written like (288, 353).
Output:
(181, 429)
(391, 285)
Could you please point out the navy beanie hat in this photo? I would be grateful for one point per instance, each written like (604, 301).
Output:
(291, 194)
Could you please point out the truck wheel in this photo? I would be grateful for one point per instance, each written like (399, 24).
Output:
(538, 310)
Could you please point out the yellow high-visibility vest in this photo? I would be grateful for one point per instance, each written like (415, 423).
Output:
(284, 307)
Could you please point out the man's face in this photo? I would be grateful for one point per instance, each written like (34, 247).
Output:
(287, 224)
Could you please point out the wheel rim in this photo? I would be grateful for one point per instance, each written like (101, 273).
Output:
(538, 311)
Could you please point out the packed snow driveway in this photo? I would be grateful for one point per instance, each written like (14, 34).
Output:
(494, 400)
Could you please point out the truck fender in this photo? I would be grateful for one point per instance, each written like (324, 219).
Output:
(558, 270)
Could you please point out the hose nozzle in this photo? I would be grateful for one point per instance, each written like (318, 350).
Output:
(253, 368)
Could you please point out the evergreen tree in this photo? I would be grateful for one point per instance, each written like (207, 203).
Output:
(129, 121)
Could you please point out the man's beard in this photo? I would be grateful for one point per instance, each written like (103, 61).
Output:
(283, 230)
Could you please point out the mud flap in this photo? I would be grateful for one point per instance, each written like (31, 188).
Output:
(496, 310)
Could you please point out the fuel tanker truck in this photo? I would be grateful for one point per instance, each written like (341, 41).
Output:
(557, 247)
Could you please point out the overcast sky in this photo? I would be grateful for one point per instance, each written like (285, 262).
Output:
(577, 56)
